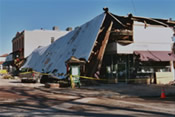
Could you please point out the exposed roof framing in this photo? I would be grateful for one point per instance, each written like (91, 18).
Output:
(123, 20)
(116, 19)
(150, 20)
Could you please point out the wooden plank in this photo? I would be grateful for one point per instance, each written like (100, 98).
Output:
(122, 32)
(104, 44)
(125, 41)
(97, 62)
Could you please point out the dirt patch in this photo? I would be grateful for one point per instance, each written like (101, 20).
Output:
(4, 96)
(78, 108)
(8, 95)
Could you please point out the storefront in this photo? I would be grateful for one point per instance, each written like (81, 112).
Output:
(140, 65)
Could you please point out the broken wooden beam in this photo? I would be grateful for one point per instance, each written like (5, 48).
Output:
(121, 32)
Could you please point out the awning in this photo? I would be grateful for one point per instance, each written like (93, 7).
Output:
(155, 55)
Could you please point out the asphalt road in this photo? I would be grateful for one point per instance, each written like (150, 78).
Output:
(107, 100)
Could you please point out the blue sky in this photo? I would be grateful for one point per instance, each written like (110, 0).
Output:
(19, 15)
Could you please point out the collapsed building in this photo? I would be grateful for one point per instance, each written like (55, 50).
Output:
(115, 47)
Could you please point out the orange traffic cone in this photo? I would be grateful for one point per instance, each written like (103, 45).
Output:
(163, 94)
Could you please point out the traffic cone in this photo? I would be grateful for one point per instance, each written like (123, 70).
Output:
(163, 94)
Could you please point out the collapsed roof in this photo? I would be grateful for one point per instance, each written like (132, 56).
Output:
(87, 41)
(77, 43)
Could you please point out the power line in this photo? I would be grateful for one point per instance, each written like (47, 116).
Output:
(133, 5)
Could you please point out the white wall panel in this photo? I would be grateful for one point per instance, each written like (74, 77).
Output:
(36, 38)
(152, 34)
(151, 38)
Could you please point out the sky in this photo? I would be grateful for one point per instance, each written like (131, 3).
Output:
(19, 15)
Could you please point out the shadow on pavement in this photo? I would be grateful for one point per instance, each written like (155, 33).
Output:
(39, 102)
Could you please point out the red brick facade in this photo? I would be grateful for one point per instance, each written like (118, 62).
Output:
(18, 45)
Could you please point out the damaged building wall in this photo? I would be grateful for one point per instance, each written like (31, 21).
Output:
(120, 60)
(152, 38)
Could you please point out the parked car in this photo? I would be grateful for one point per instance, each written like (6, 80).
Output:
(29, 75)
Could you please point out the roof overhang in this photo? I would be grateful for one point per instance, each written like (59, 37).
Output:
(155, 55)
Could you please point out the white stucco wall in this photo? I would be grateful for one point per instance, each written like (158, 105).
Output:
(33, 39)
(152, 34)
(151, 38)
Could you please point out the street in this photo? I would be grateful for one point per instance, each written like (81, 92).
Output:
(105, 100)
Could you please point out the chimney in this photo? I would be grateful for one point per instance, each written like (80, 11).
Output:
(55, 28)
(69, 29)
